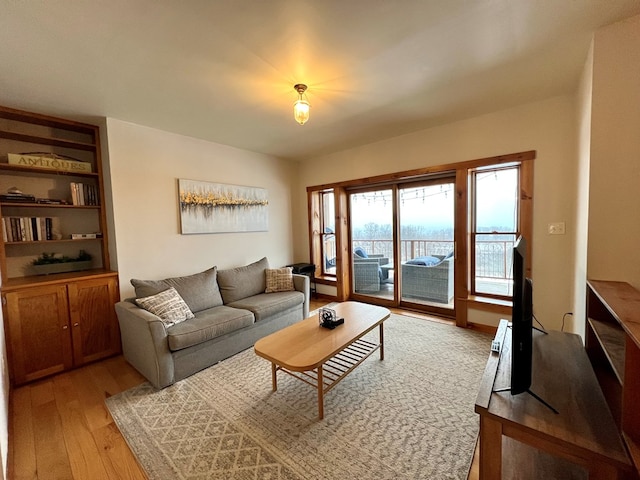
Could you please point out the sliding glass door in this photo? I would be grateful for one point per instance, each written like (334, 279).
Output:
(372, 245)
(426, 225)
(402, 244)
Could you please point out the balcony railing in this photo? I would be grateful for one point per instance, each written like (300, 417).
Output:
(493, 258)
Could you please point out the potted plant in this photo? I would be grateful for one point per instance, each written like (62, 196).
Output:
(53, 263)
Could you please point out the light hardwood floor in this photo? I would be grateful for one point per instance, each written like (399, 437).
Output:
(60, 428)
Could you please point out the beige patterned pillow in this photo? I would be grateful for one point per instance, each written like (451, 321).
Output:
(168, 305)
(279, 280)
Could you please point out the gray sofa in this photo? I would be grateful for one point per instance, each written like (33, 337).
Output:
(231, 312)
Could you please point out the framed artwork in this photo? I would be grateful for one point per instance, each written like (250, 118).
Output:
(207, 207)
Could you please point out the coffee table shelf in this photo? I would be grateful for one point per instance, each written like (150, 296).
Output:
(337, 367)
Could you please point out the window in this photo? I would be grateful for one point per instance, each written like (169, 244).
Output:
(495, 226)
(490, 205)
(327, 232)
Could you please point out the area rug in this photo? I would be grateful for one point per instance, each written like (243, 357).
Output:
(410, 416)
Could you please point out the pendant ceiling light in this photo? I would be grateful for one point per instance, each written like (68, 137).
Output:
(301, 107)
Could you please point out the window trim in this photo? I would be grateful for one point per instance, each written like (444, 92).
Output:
(323, 233)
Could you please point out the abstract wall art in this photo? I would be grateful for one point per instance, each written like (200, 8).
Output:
(207, 207)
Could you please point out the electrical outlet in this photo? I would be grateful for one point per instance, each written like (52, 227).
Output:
(556, 228)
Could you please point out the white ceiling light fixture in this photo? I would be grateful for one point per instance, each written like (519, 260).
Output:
(301, 107)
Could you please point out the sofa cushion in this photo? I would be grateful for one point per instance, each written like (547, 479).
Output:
(424, 261)
(199, 291)
(266, 305)
(207, 325)
(241, 282)
(167, 305)
(279, 280)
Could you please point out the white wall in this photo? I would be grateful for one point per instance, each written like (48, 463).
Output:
(614, 198)
(547, 127)
(143, 167)
(583, 119)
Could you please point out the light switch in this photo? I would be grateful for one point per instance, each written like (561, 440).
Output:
(556, 228)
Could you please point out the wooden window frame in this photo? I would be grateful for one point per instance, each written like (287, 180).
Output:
(524, 220)
(463, 296)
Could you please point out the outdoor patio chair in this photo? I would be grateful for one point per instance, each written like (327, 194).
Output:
(367, 272)
(428, 282)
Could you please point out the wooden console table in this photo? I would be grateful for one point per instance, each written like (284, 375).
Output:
(522, 438)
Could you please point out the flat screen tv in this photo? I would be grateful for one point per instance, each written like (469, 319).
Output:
(521, 322)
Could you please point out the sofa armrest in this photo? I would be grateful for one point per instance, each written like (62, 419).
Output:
(145, 344)
(302, 284)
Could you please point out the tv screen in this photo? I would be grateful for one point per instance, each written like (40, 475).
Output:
(521, 322)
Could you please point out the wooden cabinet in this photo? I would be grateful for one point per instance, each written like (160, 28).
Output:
(54, 327)
(38, 336)
(61, 320)
(613, 346)
(522, 438)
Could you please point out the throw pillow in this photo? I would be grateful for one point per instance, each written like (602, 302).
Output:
(168, 305)
(199, 291)
(424, 261)
(279, 279)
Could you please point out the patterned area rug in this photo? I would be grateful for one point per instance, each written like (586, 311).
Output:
(410, 416)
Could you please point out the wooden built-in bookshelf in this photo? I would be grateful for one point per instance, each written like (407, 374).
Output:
(613, 346)
(58, 321)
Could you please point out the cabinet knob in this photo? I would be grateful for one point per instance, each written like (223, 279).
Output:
(76, 324)
(64, 327)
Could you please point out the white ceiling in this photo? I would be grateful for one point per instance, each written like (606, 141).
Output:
(224, 70)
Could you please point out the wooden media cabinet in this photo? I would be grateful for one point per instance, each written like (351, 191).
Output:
(522, 438)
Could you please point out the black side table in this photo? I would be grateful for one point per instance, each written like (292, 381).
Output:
(308, 269)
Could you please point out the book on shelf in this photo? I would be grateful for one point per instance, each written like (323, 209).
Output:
(84, 194)
(17, 198)
(26, 229)
(51, 201)
(81, 236)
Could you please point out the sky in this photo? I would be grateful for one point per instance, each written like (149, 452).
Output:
(434, 205)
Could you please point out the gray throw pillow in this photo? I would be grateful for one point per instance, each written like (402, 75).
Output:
(242, 282)
(199, 291)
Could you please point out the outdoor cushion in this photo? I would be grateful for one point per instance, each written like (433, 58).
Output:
(425, 261)
(267, 304)
(242, 282)
(208, 324)
(199, 291)
(359, 251)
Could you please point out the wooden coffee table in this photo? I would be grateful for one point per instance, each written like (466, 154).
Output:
(321, 357)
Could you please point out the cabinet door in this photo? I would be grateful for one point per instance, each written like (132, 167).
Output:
(94, 323)
(38, 333)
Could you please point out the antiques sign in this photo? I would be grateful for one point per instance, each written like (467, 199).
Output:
(49, 161)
